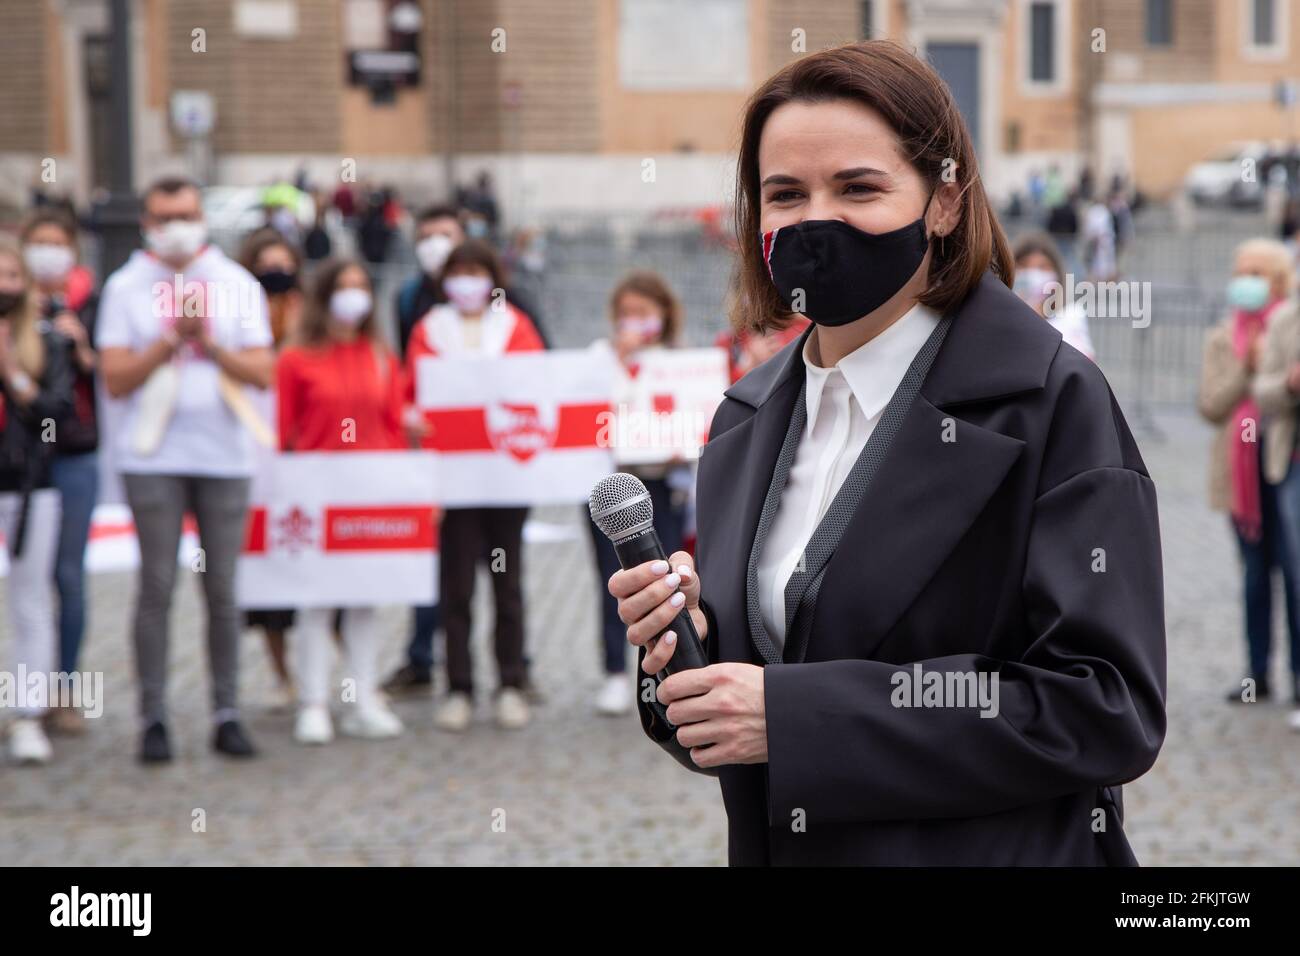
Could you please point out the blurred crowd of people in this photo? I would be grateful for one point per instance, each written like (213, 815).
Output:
(199, 387)
(1090, 227)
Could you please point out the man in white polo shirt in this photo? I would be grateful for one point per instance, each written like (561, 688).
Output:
(182, 333)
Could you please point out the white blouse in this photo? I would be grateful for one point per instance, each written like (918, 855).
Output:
(844, 403)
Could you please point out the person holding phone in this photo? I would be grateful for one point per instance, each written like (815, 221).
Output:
(35, 395)
(65, 294)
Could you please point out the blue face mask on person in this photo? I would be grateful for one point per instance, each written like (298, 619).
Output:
(1248, 293)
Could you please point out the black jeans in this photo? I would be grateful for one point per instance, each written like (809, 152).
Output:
(1259, 560)
(493, 535)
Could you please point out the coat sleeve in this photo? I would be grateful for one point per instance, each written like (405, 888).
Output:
(1224, 379)
(653, 715)
(1269, 386)
(1080, 706)
(53, 399)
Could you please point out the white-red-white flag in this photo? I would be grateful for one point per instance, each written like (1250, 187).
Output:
(341, 529)
(664, 403)
(517, 429)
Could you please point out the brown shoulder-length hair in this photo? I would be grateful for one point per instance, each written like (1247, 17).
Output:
(313, 330)
(1028, 243)
(477, 252)
(262, 239)
(652, 286)
(917, 105)
(49, 216)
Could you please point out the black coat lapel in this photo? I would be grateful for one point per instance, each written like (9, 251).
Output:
(802, 588)
(735, 471)
(938, 475)
(925, 495)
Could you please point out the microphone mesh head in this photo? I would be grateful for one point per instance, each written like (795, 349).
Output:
(620, 506)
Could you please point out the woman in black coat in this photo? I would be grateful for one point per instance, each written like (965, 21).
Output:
(935, 615)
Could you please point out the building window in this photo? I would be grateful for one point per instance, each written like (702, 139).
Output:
(871, 19)
(1042, 48)
(1263, 23)
(1160, 22)
(1042, 42)
(683, 44)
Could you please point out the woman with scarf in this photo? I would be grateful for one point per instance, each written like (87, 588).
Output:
(1254, 444)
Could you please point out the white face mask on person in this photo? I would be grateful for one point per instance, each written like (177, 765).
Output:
(1034, 285)
(49, 262)
(432, 252)
(177, 240)
(468, 293)
(648, 328)
(350, 306)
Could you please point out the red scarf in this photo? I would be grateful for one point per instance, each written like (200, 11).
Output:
(1243, 455)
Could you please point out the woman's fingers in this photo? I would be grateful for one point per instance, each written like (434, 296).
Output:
(659, 651)
(684, 565)
(636, 605)
(659, 618)
(700, 734)
(650, 596)
(628, 581)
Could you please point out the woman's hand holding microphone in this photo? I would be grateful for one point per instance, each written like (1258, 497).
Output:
(718, 710)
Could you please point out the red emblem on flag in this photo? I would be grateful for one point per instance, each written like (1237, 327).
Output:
(521, 429)
(294, 530)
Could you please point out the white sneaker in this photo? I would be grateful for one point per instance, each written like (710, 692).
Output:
(372, 723)
(1293, 721)
(455, 713)
(511, 709)
(28, 743)
(313, 726)
(615, 696)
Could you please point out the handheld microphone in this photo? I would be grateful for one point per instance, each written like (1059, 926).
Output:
(621, 507)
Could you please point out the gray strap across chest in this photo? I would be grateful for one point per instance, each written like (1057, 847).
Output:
(805, 583)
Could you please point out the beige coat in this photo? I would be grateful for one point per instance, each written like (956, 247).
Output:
(1225, 381)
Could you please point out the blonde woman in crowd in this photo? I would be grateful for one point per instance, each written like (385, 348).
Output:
(1277, 390)
(35, 390)
(1242, 393)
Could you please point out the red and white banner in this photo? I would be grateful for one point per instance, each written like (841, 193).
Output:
(517, 429)
(341, 529)
(663, 409)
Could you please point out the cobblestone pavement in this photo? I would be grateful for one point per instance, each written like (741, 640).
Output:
(579, 789)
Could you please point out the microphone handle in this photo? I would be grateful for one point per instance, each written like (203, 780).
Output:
(638, 549)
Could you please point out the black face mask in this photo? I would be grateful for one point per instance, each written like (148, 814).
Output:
(843, 272)
(9, 302)
(277, 281)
